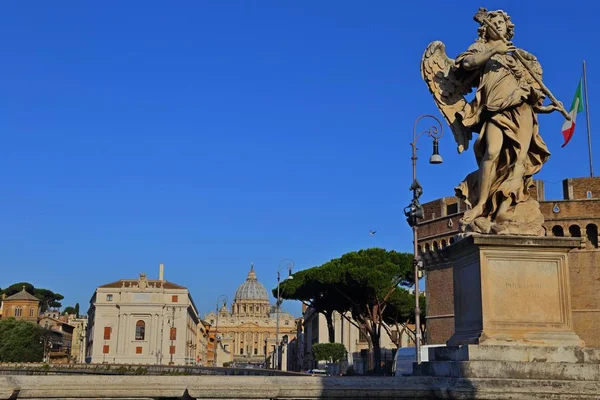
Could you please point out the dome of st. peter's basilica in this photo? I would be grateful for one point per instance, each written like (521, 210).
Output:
(251, 289)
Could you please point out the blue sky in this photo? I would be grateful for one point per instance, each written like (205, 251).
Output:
(209, 135)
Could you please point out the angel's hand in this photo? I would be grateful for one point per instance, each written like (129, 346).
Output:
(504, 47)
(558, 106)
(548, 109)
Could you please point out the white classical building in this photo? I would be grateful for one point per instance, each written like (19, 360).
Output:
(141, 321)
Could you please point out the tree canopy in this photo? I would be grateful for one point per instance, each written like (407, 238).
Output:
(314, 287)
(364, 283)
(331, 352)
(69, 310)
(20, 341)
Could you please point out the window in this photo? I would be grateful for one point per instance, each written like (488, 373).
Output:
(255, 351)
(31, 312)
(109, 297)
(173, 334)
(18, 312)
(287, 321)
(105, 349)
(557, 230)
(138, 350)
(171, 349)
(212, 321)
(452, 209)
(140, 330)
(591, 231)
(175, 298)
(107, 331)
(362, 336)
(589, 195)
(242, 348)
(575, 231)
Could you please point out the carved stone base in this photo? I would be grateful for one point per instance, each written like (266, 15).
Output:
(523, 219)
(512, 290)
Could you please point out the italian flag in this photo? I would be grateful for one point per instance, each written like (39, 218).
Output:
(576, 107)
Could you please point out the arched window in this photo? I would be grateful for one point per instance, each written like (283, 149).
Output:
(435, 246)
(31, 312)
(444, 244)
(557, 230)
(575, 231)
(18, 312)
(591, 231)
(140, 330)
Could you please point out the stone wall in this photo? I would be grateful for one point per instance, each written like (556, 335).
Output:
(585, 295)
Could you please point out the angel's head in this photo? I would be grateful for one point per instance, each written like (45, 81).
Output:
(499, 20)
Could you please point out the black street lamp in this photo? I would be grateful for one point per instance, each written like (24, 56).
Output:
(216, 345)
(289, 264)
(414, 211)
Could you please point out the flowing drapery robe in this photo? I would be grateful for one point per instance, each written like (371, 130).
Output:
(505, 97)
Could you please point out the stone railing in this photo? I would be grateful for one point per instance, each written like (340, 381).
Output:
(208, 387)
(132, 369)
(288, 388)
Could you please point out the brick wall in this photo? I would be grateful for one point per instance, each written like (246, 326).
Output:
(578, 188)
(440, 306)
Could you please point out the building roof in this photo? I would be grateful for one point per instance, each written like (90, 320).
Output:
(22, 295)
(251, 289)
(57, 321)
(129, 282)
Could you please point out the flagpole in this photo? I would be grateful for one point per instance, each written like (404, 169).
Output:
(587, 117)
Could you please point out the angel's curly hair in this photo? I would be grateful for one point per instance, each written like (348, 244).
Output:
(510, 27)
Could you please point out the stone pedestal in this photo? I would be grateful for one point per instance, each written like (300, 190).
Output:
(512, 290)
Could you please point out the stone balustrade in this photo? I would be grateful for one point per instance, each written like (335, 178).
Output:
(280, 387)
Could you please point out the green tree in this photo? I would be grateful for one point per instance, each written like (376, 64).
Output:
(48, 298)
(77, 310)
(69, 310)
(331, 352)
(400, 312)
(363, 283)
(367, 281)
(20, 341)
(17, 287)
(315, 288)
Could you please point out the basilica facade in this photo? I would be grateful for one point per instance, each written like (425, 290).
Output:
(246, 333)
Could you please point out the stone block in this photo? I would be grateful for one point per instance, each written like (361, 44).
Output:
(542, 354)
(512, 290)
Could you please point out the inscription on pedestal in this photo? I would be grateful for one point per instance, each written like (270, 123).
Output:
(524, 292)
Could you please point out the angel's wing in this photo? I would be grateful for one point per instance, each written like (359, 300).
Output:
(448, 89)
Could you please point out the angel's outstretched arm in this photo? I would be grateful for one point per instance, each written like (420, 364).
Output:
(479, 59)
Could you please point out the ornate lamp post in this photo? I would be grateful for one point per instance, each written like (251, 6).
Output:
(216, 347)
(289, 264)
(414, 211)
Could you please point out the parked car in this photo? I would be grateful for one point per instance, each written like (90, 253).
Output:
(403, 361)
(318, 372)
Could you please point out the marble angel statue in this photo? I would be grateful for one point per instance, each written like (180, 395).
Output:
(509, 149)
